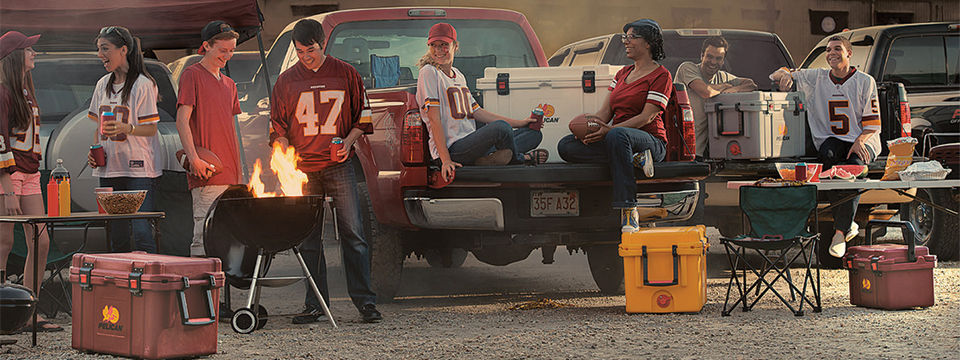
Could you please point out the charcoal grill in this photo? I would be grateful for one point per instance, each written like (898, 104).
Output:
(239, 225)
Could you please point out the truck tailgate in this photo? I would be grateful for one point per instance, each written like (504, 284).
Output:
(575, 173)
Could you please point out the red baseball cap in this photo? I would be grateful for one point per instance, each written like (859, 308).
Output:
(442, 31)
(13, 40)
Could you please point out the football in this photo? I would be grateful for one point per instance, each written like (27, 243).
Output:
(582, 125)
(205, 155)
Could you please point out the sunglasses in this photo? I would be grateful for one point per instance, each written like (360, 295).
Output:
(628, 37)
(106, 30)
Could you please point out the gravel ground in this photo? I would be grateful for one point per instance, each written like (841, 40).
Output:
(465, 313)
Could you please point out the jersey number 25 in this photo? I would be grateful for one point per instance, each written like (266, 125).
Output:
(309, 118)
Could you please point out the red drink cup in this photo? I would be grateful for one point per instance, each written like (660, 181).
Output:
(537, 113)
(100, 208)
(99, 157)
(335, 145)
(109, 116)
(800, 172)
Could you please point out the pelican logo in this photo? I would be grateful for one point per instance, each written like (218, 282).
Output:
(548, 113)
(783, 132)
(866, 285)
(111, 316)
(734, 149)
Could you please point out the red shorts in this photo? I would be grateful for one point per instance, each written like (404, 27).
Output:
(24, 184)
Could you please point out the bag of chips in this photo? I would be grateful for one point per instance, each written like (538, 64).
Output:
(900, 157)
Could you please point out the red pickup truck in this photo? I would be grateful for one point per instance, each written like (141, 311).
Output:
(487, 209)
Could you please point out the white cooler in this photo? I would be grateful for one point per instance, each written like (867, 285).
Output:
(564, 92)
(756, 125)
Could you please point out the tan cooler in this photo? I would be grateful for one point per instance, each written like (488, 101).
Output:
(756, 125)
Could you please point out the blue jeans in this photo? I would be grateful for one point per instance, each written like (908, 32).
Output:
(526, 139)
(616, 149)
(120, 229)
(339, 182)
(832, 152)
(497, 135)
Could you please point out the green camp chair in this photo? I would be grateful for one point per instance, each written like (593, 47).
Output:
(777, 218)
(58, 259)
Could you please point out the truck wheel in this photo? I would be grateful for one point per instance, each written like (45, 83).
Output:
(445, 257)
(386, 250)
(936, 229)
(606, 266)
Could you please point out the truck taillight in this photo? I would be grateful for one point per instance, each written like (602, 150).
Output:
(689, 132)
(906, 128)
(411, 139)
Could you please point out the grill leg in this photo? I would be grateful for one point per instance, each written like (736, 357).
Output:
(313, 285)
(253, 283)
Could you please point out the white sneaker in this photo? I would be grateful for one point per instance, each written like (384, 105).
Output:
(853, 232)
(644, 160)
(838, 246)
(629, 220)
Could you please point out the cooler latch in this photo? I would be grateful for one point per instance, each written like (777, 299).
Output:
(797, 108)
(134, 282)
(588, 81)
(503, 84)
(86, 276)
(874, 265)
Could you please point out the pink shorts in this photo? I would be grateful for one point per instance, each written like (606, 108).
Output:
(24, 184)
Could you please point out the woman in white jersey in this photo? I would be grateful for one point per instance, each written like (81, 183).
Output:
(448, 107)
(130, 143)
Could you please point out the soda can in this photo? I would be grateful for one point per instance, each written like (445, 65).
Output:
(335, 145)
(537, 113)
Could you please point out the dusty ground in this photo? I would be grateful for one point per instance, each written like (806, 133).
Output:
(465, 313)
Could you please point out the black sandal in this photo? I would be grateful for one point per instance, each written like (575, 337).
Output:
(536, 157)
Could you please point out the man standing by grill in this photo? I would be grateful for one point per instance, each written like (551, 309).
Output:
(206, 105)
(316, 101)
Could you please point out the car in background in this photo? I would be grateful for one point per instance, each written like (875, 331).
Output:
(240, 68)
(65, 83)
(681, 45)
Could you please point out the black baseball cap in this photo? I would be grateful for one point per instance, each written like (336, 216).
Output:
(212, 29)
(642, 23)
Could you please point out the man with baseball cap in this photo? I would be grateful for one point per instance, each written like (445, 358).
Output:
(206, 105)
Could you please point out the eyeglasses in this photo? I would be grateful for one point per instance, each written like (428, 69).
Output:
(628, 37)
(114, 29)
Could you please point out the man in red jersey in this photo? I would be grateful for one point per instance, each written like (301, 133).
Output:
(316, 100)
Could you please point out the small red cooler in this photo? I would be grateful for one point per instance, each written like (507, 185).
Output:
(890, 276)
(145, 305)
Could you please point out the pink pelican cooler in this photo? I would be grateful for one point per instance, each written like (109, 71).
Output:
(145, 305)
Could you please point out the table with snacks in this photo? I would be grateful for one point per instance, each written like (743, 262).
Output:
(88, 217)
(865, 185)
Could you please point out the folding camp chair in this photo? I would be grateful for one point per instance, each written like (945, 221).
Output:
(778, 219)
(58, 260)
(385, 70)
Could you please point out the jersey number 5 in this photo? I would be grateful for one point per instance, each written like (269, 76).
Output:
(841, 118)
(307, 115)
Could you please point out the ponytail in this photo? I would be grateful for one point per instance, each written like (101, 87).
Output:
(120, 36)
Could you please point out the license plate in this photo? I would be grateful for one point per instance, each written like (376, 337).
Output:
(554, 203)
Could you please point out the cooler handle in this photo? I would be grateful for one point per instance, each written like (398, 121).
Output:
(184, 313)
(909, 233)
(676, 268)
(718, 109)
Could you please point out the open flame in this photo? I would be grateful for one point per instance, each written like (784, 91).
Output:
(283, 163)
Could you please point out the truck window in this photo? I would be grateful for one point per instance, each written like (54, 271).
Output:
(482, 43)
(557, 60)
(953, 58)
(587, 54)
(916, 61)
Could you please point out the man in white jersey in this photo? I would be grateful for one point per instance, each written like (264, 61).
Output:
(844, 118)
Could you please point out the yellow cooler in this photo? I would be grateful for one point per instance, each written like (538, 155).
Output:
(665, 269)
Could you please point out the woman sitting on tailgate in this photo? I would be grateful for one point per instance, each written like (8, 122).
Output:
(638, 95)
(448, 108)
(130, 143)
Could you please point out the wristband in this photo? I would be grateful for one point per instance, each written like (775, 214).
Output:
(8, 194)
